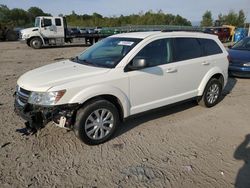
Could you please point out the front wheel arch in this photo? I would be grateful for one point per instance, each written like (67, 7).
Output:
(112, 99)
(30, 39)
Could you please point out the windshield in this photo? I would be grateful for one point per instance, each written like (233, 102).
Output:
(107, 52)
(37, 22)
(243, 44)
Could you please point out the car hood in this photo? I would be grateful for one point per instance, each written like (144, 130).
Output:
(46, 77)
(29, 30)
(240, 56)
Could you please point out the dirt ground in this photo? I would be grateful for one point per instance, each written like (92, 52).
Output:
(178, 146)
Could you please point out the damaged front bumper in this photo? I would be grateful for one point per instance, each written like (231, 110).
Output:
(38, 116)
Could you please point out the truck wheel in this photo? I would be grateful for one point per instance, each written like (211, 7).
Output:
(36, 43)
(96, 122)
(211, 94)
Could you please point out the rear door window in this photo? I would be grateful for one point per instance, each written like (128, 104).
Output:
(210, 47)
(186, 48)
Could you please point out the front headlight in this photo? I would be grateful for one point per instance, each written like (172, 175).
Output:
(25, 36)
(45, 98)
(246, 64)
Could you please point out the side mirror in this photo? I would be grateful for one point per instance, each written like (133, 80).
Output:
(138, 63)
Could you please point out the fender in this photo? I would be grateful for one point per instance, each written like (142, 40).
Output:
(207, 77)
(37, 34)
(98, 90)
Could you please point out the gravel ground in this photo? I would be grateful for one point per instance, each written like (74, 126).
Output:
(178, 146)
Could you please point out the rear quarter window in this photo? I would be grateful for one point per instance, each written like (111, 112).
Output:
(210, 47)
(58, 22)
(186, 48)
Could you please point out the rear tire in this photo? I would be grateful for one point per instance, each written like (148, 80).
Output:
(212, 93)
(96, 122)
(36, 43)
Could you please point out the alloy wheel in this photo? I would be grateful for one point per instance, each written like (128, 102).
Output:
(213, 93)
(99, 124)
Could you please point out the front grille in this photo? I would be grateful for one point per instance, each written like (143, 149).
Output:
(24, 91)
(20, 35)
(22, 96)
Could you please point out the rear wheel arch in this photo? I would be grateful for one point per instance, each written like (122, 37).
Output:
(212, 93)
(214, 73)
(219, 77)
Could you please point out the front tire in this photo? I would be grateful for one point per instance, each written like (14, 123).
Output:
(36, 43)
(96, 122)
(211, 94)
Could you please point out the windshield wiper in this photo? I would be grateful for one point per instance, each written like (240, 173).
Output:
(86, 62)
(74, 59)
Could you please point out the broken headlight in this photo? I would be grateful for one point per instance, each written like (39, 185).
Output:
(45, 98)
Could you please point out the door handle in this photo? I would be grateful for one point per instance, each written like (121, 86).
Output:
(171, 70)
(205, 63)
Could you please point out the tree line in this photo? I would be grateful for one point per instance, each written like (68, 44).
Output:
(21, 18)
(147, 18)
(18, 17)
(232, 18)
(25, 18)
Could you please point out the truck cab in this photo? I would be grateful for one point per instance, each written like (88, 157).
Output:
(47, 31)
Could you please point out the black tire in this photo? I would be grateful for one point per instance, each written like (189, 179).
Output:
(210, 100)
(85, 116)
(36, 43)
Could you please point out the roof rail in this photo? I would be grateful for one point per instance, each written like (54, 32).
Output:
(185, 30)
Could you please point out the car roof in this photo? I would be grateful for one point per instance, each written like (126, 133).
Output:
(143, 35)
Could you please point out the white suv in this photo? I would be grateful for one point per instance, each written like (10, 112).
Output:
(122, 75)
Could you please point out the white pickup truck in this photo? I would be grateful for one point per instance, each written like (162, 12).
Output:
(120, 76)
(53, 31)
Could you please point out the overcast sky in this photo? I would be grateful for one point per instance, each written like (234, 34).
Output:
(190, 9)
